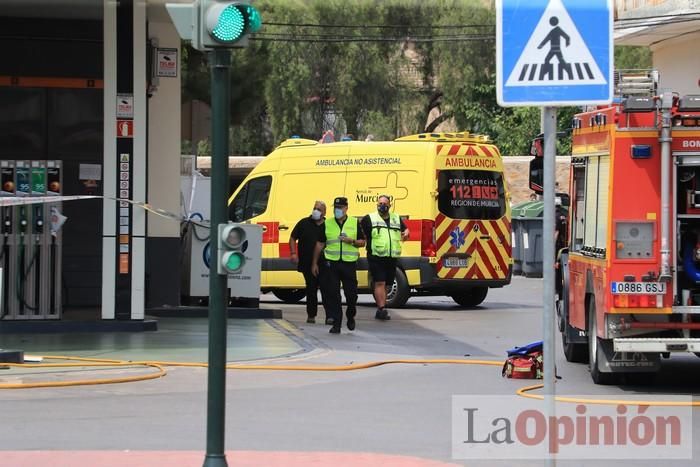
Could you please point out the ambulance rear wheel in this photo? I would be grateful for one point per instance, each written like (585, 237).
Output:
(289, 295)
(398, 293)
(470, 297)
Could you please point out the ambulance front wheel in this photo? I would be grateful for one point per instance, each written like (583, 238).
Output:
(398, 293)
(470, 297)
(289, 295)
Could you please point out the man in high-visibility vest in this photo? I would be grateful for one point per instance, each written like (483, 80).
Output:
(384, 231)
(340, 242)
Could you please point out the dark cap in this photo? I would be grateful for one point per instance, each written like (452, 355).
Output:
(340, 201)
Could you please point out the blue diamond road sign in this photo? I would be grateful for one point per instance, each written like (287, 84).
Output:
(554, 52)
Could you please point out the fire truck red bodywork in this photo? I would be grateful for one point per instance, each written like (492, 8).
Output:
(613, 265)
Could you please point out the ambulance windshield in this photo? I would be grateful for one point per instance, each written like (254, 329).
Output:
(251, 201)
(471, 194)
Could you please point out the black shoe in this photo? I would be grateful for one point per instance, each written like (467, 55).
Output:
(311, 320)
(382, 315)
(335, 329)
(351, 324)
(329, 321)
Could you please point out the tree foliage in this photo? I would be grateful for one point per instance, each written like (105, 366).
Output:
(384, 69)
(629, 57)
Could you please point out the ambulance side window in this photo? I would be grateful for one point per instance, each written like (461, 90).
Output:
(252, 200)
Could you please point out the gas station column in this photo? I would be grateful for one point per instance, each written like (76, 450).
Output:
(125, 176)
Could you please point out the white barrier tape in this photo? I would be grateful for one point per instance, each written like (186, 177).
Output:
(24, 200)
(7, 201)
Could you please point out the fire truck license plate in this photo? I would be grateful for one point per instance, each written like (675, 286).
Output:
(455, 262)
(642, 288)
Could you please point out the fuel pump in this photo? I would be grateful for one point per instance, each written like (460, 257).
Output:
(18, 283)
(33, 273)
(52, 241)
(7, 188)
(30, 255)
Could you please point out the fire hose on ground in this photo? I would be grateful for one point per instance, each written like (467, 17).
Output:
(159, 367)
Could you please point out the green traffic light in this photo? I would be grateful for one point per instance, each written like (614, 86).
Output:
(230, 25)
(254, 19)
(234, 261)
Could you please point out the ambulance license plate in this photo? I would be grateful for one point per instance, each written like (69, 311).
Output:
(455, 262)
(642, 288)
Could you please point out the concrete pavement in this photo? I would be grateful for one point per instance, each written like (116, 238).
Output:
(325, 418)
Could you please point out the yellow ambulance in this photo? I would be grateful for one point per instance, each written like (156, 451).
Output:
(449, 188)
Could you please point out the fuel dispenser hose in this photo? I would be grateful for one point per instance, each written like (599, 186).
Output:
(159, 366)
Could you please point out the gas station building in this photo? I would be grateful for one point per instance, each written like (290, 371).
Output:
(95, 86)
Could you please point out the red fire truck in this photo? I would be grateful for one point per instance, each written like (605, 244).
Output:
(628, 288)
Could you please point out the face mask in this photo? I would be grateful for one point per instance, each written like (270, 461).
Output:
(315, 214)
(383, 208)
(338, 213)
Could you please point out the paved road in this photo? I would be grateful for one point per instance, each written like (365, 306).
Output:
(365, 417)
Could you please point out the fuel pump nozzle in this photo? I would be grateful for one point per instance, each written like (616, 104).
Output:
(23, 220)
(39, 220)
(7, 221)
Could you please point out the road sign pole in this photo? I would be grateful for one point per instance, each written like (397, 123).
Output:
(220, 64)
(549, 121)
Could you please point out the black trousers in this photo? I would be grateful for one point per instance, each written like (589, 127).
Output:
(313, 284)
(345, 274)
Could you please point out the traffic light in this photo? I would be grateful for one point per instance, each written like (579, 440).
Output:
(232, 247)
(239, 257)
(211, 24)
(228, 23)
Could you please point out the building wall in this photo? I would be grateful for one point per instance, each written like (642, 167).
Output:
(164, 140)
(517, 170)
(642, 8)
(163, 236)
(678, 63)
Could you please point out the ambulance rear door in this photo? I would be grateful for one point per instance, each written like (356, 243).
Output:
(472, 229)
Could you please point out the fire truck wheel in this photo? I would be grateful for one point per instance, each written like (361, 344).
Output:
(470, 297)
(398, 293)
(289, 295)
(575, 353)
(593, 354)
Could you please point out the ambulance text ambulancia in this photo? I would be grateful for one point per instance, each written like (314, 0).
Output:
(448, 188)
(630, 288)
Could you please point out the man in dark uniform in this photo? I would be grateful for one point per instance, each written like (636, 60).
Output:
(340, 242)
(302, 244)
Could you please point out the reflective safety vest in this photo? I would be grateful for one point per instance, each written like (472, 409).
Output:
(386, 239)
(335, 249)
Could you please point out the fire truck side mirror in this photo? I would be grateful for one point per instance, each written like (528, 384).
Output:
(537, 146)
(536, 174)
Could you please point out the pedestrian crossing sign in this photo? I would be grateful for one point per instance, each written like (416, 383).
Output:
(554, 52)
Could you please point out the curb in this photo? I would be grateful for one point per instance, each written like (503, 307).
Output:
(47, 327)
(203, 312)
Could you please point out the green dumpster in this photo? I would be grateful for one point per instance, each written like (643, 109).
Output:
(517, 214)
(530, 228)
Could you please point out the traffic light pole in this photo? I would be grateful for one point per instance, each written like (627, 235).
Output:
(549, 123)
(220, 64)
